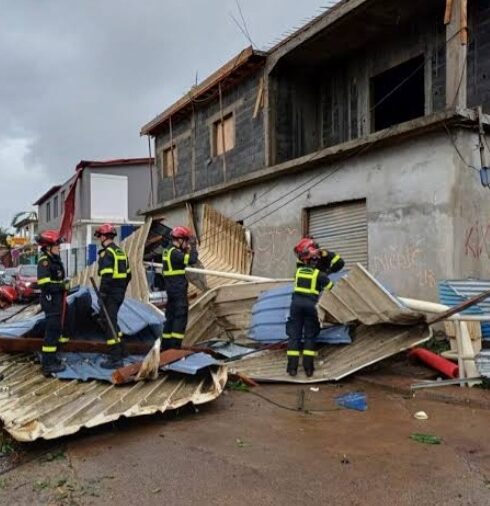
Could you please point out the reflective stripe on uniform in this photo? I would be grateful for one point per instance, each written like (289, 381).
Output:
(309, 353)
(329, 286)
(187, 258)
(306, 276)
(49, 349)
(112, 342)
(293, 353)
(177, 335)
(168, 269)
(335, 259)
(64, 339)
(45, 281)
(108, 270)
(119, 257)
(166, 336)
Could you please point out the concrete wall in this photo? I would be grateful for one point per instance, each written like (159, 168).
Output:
(54, 223)
(196, 167)
(410, 190)
(139, 178)
(324, 105)
(479, 55)
(471, 248)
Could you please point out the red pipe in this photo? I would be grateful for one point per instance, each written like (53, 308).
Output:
(444, 366)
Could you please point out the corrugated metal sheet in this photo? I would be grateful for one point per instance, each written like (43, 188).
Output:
(453, 292)
(223, 248)
(371, 344)
(482, 361)
(134, 246)
(33, 407)
(359, 297)
(342, 228)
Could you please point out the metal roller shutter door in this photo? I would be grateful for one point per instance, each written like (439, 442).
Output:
(342, 228)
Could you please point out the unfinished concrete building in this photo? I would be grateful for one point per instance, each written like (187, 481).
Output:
(361, 129)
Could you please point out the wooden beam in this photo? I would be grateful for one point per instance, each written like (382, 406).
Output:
(33, 344)
(457, 57)
(449, 12)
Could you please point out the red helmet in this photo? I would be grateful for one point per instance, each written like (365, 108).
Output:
(309, 254)
(49, 238)
(181, 233)
(304, 245)
(105, 229)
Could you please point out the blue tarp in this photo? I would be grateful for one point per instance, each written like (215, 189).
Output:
(270, 314)
(137, 320)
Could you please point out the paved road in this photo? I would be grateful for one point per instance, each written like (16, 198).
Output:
(241, 450)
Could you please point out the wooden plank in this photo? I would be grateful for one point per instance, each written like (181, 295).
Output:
(259, 102)
(463, 34)
(449, 12)
(33, 344)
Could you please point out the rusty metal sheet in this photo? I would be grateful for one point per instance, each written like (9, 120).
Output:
(33, 407)
(359, 298)
(371, 345)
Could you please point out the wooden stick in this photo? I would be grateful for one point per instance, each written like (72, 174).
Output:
(448, 15)
(172, 154)
(463, 22)
(222, 126)
(460, 307)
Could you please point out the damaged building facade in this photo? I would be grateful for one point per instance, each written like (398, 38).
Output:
(361, 129)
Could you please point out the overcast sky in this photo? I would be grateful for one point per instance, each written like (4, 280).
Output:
(78, 78)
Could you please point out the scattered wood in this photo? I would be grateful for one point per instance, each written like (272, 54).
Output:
(127, 373)
(33, 344)
(448, 15)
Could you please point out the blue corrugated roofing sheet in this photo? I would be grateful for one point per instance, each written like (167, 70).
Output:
(135, 319)
(191, 364)
(270, 314)
(482, 361)
(453, 292)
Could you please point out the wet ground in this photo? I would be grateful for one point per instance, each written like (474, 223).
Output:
(243, 450)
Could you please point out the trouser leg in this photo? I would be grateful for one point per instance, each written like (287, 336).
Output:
(294, 329)
(113, 304)
(311, 331)
(51, 304)
(167, 339)
(180, 321)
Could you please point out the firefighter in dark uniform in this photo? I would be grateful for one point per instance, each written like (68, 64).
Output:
(328, 262)
(115, 275)
(51, 281)
(177, 256)
(303, 324)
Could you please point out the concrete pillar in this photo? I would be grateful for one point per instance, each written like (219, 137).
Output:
(456, 55)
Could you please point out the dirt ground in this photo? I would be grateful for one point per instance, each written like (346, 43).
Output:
(243, 450)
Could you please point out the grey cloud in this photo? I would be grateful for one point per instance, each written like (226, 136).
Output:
(79, 78)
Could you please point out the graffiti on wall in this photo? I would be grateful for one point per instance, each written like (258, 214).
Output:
(273, 250)
(477, 240)
(394, 260)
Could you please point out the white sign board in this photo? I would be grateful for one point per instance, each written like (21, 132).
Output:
(109, 197)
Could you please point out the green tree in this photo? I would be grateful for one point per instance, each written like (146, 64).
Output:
(3, 236)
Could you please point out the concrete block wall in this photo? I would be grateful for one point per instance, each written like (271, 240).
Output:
(193, 141)
(479, 55)
(342, 89)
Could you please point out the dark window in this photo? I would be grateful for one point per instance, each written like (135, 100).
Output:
(48, 211)
(55, 207)
(398, 94)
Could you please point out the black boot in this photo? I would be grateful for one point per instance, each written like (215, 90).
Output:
(308, 365)
(292, 368)
(51, 364)
(115, 357)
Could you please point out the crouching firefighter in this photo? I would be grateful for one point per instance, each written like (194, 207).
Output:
(177, 256)
(115, 275)
(51, 281)
(303, 326)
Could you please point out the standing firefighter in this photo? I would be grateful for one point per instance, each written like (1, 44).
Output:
(303, 322)
(176, 257)
(328, 261)
(115, 275)
(51, 281)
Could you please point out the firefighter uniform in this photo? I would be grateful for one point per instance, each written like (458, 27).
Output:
(115, 274)
(174, 263)
(302, 326)
(51, 281)
(330, 262)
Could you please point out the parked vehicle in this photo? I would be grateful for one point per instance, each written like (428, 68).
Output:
(8, 276)
(25, 282)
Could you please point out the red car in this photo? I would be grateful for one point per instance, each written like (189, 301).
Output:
(25, 282)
